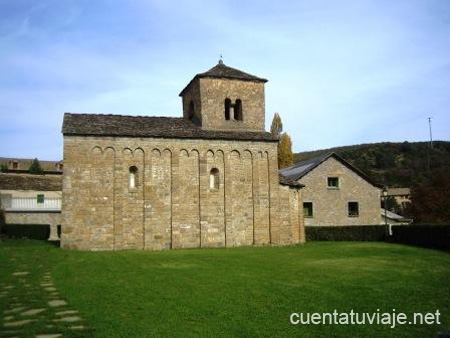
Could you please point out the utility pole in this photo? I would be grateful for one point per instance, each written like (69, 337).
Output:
(431, 135)
(431, 144)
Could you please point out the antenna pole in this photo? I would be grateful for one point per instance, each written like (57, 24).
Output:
(431, 144)
(431, 135)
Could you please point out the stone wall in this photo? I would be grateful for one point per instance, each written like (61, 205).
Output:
(330, 205)
(192, 94)
(209, 94)
(172, 204)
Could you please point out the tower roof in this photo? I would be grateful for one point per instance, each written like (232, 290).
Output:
(221, 71)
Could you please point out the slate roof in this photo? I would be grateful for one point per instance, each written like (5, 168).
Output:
(31, 182)
(221, 71)
(302, 168)
(149, 126)
(284, 180)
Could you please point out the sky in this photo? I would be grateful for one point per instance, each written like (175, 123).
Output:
(340, 72)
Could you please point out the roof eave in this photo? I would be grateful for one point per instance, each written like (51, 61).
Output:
(297, 186)
(345, 163)
(168, 137)
(202, 76)
(357, 171)
(188, 85)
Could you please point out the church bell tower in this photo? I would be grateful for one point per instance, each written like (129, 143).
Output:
(225, 98)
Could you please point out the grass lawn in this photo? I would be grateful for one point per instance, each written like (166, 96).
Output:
(241, 292)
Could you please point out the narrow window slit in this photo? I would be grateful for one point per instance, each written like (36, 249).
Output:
(133, 180)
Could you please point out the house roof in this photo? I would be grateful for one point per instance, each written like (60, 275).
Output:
(284, 180)
(398, 191)
(394, 216)
(221, 71)
(31, 182)
(25, 163)
(302, 168)
(150, 126)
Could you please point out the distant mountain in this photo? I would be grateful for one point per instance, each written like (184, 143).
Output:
(393, 164)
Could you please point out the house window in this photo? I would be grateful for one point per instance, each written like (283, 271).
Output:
(40, 199)
(308, 209)
(353, 209)
(133, 180)
(15, 165)
(214, 179)
(227, 108)
(333, 182)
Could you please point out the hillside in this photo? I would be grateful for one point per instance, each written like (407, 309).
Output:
(393, 164)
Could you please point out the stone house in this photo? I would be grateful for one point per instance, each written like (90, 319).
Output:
(207, 179)
(32, 199)
(336, 192)
(402, 196)
(21, 165)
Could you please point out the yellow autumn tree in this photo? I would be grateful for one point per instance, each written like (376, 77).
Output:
(285, 155)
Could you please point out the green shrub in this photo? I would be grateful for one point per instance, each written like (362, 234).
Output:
(366, 233)
(424, 235)
(2, 219)
(32, 231)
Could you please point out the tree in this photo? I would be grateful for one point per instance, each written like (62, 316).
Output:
(391, 204)
(35, 167)
(277, 126)
(285, 155)
(3, 168)
(2, 218)
(430, 200)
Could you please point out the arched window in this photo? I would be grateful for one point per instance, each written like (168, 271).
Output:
(227, 108)
(238, 110)
(191, 110)
(133, 181)
(214, 179)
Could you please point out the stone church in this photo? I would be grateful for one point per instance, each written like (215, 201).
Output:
(207, 179)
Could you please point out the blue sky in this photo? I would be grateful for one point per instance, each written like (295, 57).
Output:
(340, 72)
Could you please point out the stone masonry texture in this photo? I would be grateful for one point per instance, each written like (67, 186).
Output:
(330, 205)
(173, 205)
(208, 96)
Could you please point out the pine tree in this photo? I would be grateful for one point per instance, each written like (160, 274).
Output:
(277, 126)
(285, 155)
(35, 167)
